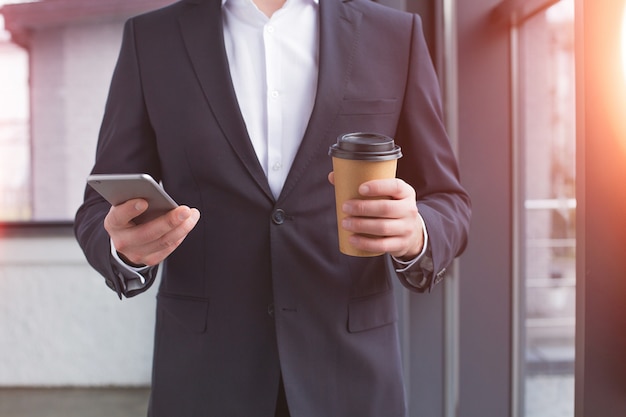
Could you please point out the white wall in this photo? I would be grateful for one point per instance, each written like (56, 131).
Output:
(59, 323)
(61, 326)
(71, 69)
(14, 138)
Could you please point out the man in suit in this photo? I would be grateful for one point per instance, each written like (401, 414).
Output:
(233, 105)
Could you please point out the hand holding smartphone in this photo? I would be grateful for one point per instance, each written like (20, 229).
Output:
(118, 188)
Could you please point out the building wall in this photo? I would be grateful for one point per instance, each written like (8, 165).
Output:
(71, 69)
(14, 136)
(59, 324)
(485, 287)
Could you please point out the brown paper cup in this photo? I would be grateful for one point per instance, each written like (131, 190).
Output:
(358, 158)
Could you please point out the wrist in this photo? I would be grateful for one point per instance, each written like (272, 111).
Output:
(128, 262)
(419, 246)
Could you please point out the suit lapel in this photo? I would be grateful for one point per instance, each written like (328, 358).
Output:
(201, 27)
(339, 28)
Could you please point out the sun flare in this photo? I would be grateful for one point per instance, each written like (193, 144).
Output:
(624, 43)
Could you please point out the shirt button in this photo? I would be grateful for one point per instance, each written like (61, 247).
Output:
(278, 216)
(274, 94)
(270, 29)
(277, 166)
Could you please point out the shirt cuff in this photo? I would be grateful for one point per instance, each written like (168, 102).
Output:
(134, 272)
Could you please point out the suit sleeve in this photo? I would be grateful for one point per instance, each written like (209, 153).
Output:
(430, 167)
(126, 144)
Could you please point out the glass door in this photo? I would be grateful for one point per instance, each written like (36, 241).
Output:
(545, 169)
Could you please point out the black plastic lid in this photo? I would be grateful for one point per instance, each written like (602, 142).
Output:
(365, 147)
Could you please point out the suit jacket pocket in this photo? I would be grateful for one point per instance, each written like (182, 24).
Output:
(369, 106)
(372, 311)
(189, 312)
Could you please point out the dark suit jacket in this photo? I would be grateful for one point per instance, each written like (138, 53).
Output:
(259, 287)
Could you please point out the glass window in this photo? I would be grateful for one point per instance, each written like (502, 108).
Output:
(52, 97)
(15, 202)
(546, 173)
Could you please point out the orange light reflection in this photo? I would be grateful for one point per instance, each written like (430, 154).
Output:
(624, 43)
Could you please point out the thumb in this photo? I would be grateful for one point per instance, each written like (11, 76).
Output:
(121, 216)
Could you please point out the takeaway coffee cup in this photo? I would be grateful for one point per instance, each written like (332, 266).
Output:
(357, 158)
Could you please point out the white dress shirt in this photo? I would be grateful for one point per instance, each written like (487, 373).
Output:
(274, 67)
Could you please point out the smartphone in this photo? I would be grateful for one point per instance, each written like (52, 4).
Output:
(118, 188)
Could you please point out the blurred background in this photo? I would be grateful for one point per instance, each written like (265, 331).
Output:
(501, 333)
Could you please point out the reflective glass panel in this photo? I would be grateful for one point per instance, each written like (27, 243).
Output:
(547, 164)
(14, 132)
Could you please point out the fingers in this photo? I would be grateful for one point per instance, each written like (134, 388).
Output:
(150, 243)
(402, 237)
(393, 245)
(175, 219)
(375, 227)
(386, 220)
(389, 198)
(394, 188)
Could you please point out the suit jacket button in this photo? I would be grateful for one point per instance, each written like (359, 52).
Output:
(278, 216)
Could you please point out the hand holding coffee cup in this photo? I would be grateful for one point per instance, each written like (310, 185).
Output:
(358, 158)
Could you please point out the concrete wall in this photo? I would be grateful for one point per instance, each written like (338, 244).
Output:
(60, 325)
